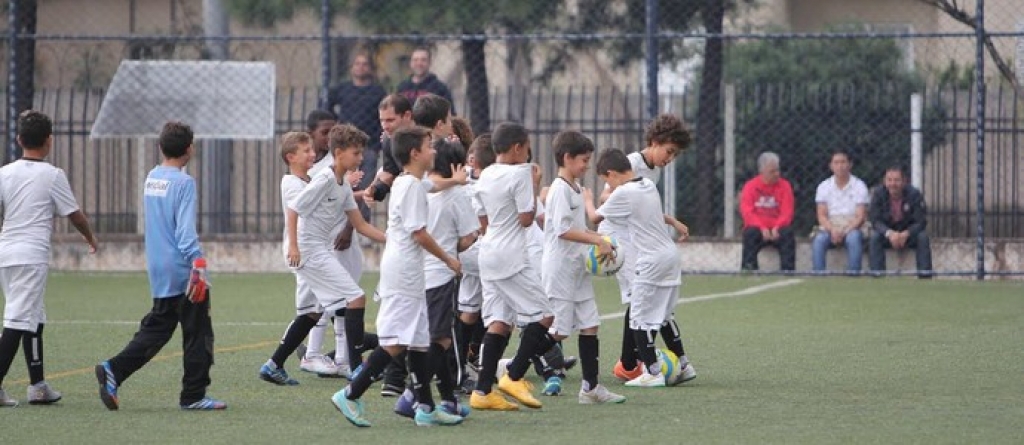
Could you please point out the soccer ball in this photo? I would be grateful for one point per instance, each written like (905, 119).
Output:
(669, 365)
(605, 265)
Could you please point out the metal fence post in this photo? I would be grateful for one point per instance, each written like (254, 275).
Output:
(11, 152)
(325, 54)
(729, 207)
(979, 132)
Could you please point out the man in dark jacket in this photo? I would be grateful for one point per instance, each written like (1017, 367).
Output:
(422, 80)
(355, 101)
(897, 215)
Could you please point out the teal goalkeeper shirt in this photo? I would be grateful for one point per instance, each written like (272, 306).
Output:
(171, 240)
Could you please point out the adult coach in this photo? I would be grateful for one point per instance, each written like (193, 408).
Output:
(355, 102)
(422, 81)
(766, 205)
(898, 220)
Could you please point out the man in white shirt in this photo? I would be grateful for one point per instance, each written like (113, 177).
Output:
(842, 207)
(31, 191)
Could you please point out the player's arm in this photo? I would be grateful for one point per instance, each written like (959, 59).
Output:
(292, 225)
(465, 242)
(427, 242)
(588, 204)
(185, 233)
(587, 237)
(459, 177)
(684, 231)
(379, 188)
(364, 228)
(483, 224)
(81, 224)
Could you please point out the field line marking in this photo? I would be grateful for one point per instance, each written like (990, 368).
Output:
(738, 293)
(159, 358)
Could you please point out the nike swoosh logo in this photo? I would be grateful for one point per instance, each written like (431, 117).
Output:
(332, 199)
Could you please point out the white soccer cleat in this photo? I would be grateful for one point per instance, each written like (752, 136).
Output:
(42, 394)
(320, 365)
(502, 368)
(343, 370)
(7, 401)
(646, 380)
(687, 374)
(599, 395)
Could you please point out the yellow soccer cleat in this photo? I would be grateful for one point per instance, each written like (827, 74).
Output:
(519, 390)
(493, 401)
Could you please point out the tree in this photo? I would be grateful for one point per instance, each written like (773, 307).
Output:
(958, 13)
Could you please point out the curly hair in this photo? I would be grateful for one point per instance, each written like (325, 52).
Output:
(346, 136)
(667, 128)
(461, 128)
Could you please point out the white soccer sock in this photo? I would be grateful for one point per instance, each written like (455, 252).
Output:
(316, 338)
(340, 344)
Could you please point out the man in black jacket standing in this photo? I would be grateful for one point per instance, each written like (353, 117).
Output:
(422, 80)
(355, 101)
(897, 215)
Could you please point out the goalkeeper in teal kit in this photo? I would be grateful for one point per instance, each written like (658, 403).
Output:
(177, 280)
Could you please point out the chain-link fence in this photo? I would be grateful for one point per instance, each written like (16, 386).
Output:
(891, 82)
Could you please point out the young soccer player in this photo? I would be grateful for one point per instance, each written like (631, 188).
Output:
(511, 284)
(177, 280)
(666, 136)
(314, 217)
(452, 222)
(31, 191)
(654, 292)
(402, 323)
(564, 276)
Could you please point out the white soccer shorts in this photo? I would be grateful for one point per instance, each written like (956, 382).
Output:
(471, 293)
(516, 301)
(625, 275)
(24, 287)
(402, 321)
(352, 258)
(330, 282)
(652, 305)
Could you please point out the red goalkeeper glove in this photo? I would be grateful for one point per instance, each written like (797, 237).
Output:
(198, 282)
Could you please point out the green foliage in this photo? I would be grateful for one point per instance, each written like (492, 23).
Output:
(267, 13)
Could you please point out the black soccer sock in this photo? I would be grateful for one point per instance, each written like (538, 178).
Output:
(396, 372)
(477, 335)
(463, 334)
(440, 364)
(589, 348)
(355, 333)
(32, 345)
(491, 349)
(535, 340)
(628, 355)
(375, 364)
(297, 331)
(645, 347)
(422, 373)
(671, 334)
(9, 341)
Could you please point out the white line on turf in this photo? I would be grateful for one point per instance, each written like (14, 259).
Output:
(695, 299)
(739, 293)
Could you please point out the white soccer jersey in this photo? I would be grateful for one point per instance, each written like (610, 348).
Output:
(291, 186)
(505, 191)
(535, 241)
(321, 206)
(641, 169)
(565, 211)
(842, 201)
(451, 217)
(469, 257)
(401, 265)
(326, 163)
(637, 206)
(31, 192)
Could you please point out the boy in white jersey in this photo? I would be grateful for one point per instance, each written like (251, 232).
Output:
(469, 329)
(654, 291)
(453, 224)
(31, 191)
(511, 285)
(402, 322)
(564, 276)
(666, 136)
(313, 219)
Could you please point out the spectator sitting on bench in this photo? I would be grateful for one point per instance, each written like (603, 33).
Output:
(897, 215)
(842, 206)
(766, 205)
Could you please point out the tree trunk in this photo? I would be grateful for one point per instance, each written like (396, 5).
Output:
(24, 65)
(477, 86)
(709, 122)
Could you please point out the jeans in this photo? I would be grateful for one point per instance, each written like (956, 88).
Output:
(854, 242)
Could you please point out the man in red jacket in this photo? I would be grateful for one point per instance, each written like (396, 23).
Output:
(766, 205)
